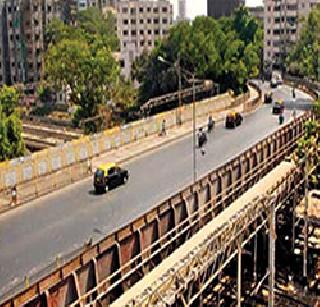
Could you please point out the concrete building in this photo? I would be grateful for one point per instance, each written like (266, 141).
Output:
(139, 24)
(282, 24)
(2, 43)
(181, 10)
(220, 8)
(257, 11)
(101, 4)
(25, 22)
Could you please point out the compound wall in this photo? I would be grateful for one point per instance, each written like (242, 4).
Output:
(53, 168)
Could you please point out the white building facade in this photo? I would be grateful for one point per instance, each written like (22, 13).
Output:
(139, 25)
(282, 24)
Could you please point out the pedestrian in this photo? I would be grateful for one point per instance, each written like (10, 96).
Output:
(14, 196)
(163, 128)
(210, 124)
(293, 93)
(89, 166)
(202, 140)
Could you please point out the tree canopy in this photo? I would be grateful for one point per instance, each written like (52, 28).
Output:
(11, 141)
(82, 57)
(226, 51)
(304, 58)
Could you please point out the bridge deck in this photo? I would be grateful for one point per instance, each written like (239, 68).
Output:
(258, 189)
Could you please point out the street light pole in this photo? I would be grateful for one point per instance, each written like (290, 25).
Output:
(194, 129)
(179, 121)
(161, 59)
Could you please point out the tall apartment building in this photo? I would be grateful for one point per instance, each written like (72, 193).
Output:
(257, 12)
(25, 22)
(220, 8)
(139, 24)
(282, 24)
(101, 4)
(182, 10)
(2, 44)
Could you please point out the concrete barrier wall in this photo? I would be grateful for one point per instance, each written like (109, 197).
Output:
(72, 157)
(134, 245)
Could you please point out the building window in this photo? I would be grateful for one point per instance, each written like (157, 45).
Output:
(149, 43)
(155, 10)
(141, 43)
(122, 63)
(133, 21)
(133, 32)
(141, 32)
(164, 9)
(141, 21)
(132, 11)
(164, 21)
(156, 32)
(125, 32)
(124, 10)
(269, 8)
(125, 21)
(141, 9)
(269, 54)
(149, 21)
(268, 43)
(149, 9)
(149, 32)
(268, 31)
(155, 21)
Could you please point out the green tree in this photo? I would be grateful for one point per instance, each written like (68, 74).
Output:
(95, 24)
(226, 51)
(89, 70)
(11, 141)
(304, 58)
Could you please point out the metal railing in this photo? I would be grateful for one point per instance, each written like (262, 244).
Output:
(218, 201)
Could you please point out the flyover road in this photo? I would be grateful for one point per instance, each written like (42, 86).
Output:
(32, 235)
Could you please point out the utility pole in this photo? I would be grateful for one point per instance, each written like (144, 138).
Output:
(179, 121)
(194, 129)
(306, 220)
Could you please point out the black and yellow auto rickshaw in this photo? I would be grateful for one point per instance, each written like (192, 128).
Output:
(233, 119)
(268, 98)
(278, 107)
(109, 175)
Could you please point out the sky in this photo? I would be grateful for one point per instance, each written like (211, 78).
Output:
(199, 7)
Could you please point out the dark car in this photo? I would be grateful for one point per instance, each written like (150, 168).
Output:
(233, 119)
(268, 98)
(273, 83)
(278, 108)
(109, 176)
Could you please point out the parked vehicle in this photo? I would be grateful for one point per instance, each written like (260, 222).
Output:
(268, 98)
(108, 176)
(273, 83)
(278, 107)
(233, 119)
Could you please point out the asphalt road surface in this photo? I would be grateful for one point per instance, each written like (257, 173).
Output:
(31, 236)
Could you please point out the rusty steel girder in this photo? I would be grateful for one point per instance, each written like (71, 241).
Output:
(131, 252)
(198, 262)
